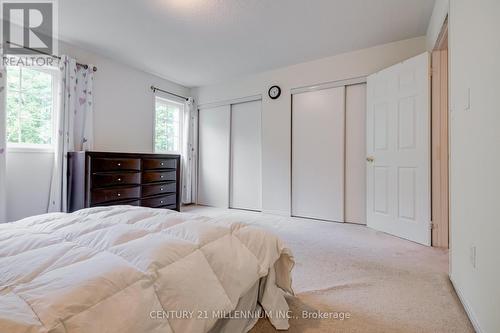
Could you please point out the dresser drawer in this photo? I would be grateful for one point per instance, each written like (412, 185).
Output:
(157, 163)
(120, 202)
(159, 201)
(160, 176)
(116, 193)
(113, 179)
(155, 189)
(115, 164)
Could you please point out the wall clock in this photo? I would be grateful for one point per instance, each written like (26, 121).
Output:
(274, 92)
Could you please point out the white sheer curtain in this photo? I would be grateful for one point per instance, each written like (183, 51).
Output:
(188, 168)
(3, 144)
(74, 125)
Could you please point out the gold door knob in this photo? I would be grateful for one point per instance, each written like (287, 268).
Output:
(370, 159)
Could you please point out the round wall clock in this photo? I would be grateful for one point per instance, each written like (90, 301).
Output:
(274, 92)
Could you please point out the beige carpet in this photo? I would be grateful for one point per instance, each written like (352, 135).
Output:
(386, 284)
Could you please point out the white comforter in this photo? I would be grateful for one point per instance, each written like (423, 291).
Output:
(127, 269)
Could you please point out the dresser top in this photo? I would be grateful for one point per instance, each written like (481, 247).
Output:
(118, 154)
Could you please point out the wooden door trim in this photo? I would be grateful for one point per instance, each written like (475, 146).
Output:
(440, 143)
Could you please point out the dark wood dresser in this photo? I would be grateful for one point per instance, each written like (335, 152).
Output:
(105, 179)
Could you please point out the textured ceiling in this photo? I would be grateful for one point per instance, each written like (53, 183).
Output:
(198, 42)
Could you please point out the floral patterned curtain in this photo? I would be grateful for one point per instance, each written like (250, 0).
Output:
(74, 125)
(188, 157)
(3, 143)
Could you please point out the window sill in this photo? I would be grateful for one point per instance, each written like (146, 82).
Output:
(30, 149)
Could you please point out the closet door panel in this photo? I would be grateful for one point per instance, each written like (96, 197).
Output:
(355, 173)
(318, 120)
(246, 173)
(213, 173)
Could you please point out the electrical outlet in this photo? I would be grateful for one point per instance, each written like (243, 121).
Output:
(473, 256)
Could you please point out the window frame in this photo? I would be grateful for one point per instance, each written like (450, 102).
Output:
(181, 105)
(14, 147)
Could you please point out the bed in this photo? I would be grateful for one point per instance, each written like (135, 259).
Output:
(132, 269)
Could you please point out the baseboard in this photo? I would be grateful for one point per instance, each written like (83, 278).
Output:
(276, 212)
(467, 307)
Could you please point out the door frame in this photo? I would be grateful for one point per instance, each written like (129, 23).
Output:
(440, 140)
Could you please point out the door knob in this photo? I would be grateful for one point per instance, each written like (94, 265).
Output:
(370, 159)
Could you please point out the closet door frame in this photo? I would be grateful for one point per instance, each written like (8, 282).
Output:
(355, 154)
(229, 103)
(321, 86)
(328, 85)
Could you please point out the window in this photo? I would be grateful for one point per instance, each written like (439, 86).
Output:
(30, 107)
(168, 126)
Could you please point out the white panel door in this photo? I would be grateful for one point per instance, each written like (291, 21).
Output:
(398, 150)
(318, 119)
(355, 154)
(213, 164)
(246, 166)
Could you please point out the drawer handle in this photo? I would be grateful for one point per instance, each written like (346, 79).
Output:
(161, 176)
(119, 164)
(119, 194)
(119, 179)
(161, 163)
(161, 201)
(161, 188)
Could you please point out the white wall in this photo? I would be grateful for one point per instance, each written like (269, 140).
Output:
(123, 122)
(28, 183)
(474, 50)
(439, 14)
(123, 103)
(276, 113)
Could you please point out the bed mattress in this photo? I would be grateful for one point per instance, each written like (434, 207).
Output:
(130, 269)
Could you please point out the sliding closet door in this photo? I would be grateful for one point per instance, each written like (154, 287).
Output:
(213, 172)
(355, 154)
(318, 120)
(246, 173)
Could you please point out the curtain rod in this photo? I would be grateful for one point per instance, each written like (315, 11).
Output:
(154, 89)
(50, 55)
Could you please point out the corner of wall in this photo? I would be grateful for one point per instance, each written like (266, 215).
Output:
(467, 307)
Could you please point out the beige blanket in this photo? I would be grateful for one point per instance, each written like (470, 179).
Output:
(128, 269)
